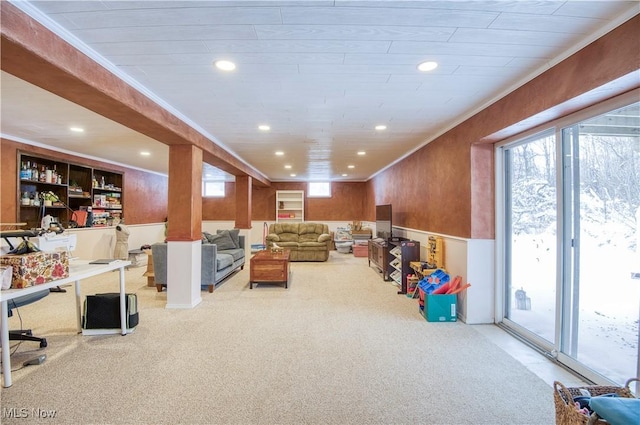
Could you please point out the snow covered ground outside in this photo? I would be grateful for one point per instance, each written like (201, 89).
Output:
(609, 300)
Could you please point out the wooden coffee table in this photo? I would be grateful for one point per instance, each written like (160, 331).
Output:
(269, 267)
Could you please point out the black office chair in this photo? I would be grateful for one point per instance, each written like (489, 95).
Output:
(26, 334)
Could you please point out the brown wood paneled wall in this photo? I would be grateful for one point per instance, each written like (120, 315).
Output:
(144, 193)
(347, 203)
(221, 208)
(448, 185)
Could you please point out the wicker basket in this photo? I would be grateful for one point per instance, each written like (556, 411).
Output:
(567, 414)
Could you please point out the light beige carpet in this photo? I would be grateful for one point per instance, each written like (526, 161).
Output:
(338, 347)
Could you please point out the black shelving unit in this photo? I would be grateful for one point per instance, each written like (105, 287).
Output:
(401, 251)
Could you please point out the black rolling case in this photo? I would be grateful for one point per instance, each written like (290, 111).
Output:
(102, 311)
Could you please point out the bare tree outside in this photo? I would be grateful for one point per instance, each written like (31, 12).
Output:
(602, 200)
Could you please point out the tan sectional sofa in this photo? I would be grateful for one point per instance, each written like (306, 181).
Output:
(306, 241)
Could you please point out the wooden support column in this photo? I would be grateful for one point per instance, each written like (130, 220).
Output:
(184, 230)
(243, 202)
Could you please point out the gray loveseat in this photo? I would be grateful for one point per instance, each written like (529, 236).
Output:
(217, 264)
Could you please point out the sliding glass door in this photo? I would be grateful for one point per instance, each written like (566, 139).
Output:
(571, 242)
(531, 208)
(601, 292)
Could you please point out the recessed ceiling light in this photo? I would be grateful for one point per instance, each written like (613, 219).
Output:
(77, 129)
(292, 174)
(145, 153)
(288, 167)
(264, 127)
(381, 127)
(225, 65)
(344, 175)
(279, 153)
(361, 153)
(351, 166)
(427, 66)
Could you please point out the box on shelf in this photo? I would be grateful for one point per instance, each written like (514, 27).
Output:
(35, 268)
(441, 307)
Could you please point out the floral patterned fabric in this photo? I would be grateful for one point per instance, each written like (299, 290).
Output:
(36, 268)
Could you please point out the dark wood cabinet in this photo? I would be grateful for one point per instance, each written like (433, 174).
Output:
(378, 255)
(51, 187)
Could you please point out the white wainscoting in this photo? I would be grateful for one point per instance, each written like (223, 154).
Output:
(473, 260)
(99, 242)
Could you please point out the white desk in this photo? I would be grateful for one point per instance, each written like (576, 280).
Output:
(78, 270)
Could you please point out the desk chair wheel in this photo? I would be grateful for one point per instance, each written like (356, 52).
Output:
(26, 335)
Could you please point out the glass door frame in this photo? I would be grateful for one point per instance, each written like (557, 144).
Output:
(503, 245)
(567, 252)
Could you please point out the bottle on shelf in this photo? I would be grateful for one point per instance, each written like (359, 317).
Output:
(25, 171)
(102, 182)
(35, 174)
(43, 175)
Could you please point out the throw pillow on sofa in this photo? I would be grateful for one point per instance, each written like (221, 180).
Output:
(235, 236)
(222, 240)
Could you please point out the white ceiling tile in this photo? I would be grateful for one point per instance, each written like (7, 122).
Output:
(238, 58)
(369, 69)
(352, 32)
(530, 6)
(446, 82)
(157, 60)
(173, 15)
(596, 9)
(164, 33)
(247, 74)
(414, 60)
(386, 16)
(55, 7)
(501, 71)
(298, 46)
(514, 37)
(520, 22)
(475, 48)
(153, 4)
(527, 63)
(151, 48)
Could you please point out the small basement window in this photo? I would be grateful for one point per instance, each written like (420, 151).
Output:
(319, 190)
(213, 189)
